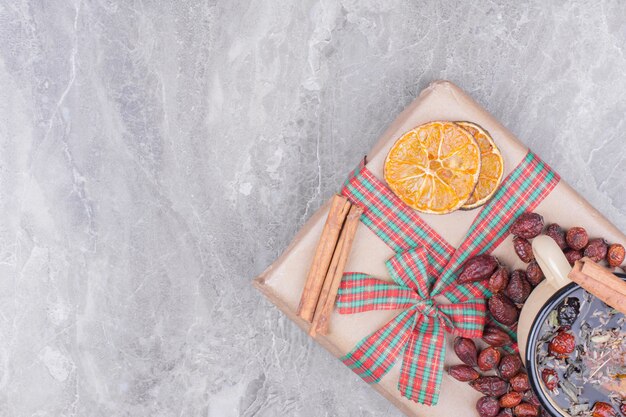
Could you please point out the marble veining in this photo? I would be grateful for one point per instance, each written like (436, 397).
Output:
(155, 156)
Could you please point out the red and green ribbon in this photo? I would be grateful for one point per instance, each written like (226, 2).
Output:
(426, 266)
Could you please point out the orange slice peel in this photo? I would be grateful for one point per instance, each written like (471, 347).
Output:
(435, 167)
(492, 166)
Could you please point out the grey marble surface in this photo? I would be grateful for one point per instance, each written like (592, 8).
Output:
(155, 156)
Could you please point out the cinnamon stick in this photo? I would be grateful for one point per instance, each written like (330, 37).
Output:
(600, 282)
(603, 274)
(328, 295)
(323, 254)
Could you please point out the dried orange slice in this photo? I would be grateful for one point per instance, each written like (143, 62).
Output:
(434, 167)
(491, 169)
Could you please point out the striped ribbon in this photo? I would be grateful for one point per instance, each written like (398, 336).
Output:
(425, 266)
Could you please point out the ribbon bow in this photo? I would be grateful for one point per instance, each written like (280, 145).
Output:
(418, 330)
(424, 270)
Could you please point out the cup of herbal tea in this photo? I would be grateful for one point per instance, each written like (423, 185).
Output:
(574, 347)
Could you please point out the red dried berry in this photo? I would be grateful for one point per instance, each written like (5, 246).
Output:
(526, 410)
(487, 407)
(509, 366)
(463, 373)
(534, 274)
(523, 248)
(466, 350)
(573, 255)
(511, 399)
(478, 268)
(615, 255)
(562, 344)
(520, 382)
(492, 386)
(596, 250)
(519, 288)
(528, 225)
(489, 358)
(556, 233)
(577, 238)
(602, 409)
(499, 280)
(503, 309)
(495, 336)
(550, 378)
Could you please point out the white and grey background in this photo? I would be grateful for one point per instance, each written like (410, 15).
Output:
(155, 156)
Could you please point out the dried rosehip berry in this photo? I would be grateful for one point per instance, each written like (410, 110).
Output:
(528, 225)
(509, 366)
(573, 255)
(530, 397)
(550, 378)
(466, 350)
(556, 233)
(487, 407)
(534, 274)
(577, 238)
(562, 344)
(503, 309)
(499, 280)
(602, 409)
(507, 412)
(520, 382)
(495, 336)
(490, 385)
(519, 288)
(489, 358)
(567, 311)
(615, 255)
(596, 250)
(526, 410)
(523, 248)
(463, 373)
(622, 408)
(478, 268)
(511, 399)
